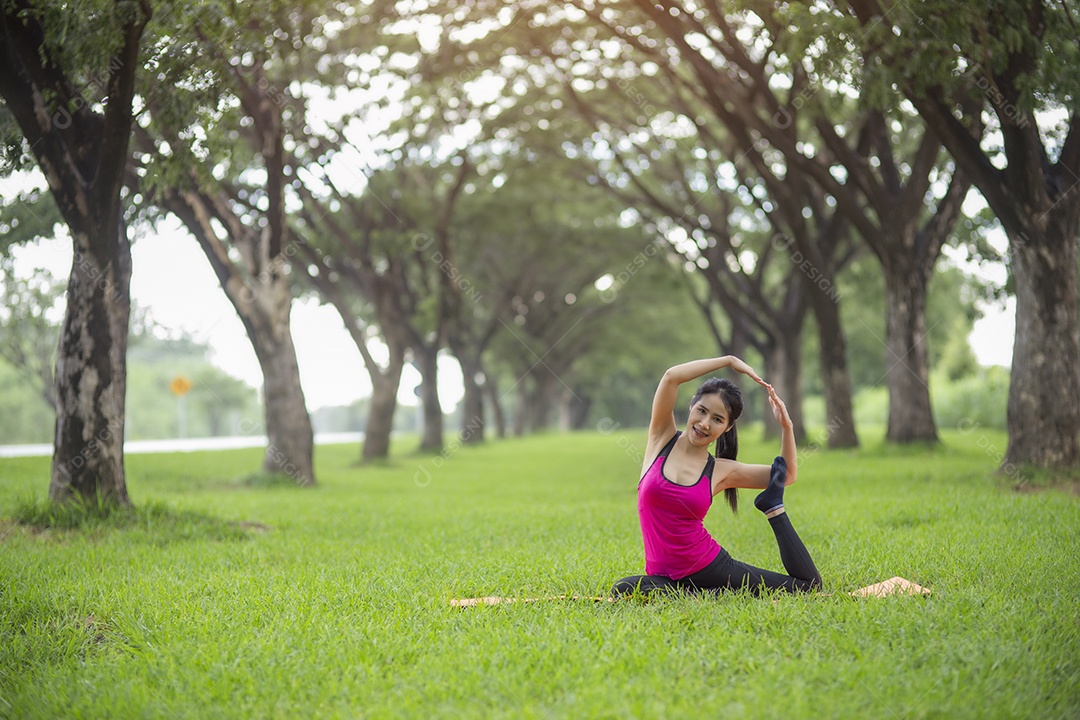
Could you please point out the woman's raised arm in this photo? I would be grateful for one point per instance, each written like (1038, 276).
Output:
(662, 422)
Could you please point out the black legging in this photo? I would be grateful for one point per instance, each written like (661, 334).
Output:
(727, 573)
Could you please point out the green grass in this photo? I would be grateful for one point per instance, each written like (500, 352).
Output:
(242, 599)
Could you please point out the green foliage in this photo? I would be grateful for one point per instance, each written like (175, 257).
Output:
(217, 404)
(25, 417)
(29, 324)
(975, 401)
(81, 40)
(29, 215)
(657, 328)
(956, 359)
(340, 607)
(871, 406)
(934, 46)
(14, 150)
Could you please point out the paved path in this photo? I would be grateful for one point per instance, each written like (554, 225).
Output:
(186, 445)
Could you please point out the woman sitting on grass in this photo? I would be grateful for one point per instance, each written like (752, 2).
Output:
(677, 488)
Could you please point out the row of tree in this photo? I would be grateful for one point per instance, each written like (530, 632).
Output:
(497, 181)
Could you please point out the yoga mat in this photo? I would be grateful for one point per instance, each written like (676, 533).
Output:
(892, 586)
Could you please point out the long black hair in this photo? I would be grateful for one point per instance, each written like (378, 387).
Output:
(727, 445)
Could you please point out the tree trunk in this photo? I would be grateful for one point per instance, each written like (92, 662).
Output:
(82, 154)
(380, 423)
(491, 390)
(1044, 390)
(521, 407)
(263, 302)
(384, 382)
(783, 368)
(427, 362)
(835, 378)
(911, 418)
(290, 445)
(472, 416)
(573, 410)
(91, 371)
(541, 400)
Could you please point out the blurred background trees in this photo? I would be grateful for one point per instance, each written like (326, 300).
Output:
(568, 197)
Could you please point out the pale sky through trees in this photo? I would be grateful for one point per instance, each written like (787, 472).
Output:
(173, 280)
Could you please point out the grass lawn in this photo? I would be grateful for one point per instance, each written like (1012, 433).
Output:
(269, 600)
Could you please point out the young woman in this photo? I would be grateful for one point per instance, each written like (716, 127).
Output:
(678, 485)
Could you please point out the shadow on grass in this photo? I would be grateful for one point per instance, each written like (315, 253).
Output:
(1030, 479)
(154, 522)
(268, 480)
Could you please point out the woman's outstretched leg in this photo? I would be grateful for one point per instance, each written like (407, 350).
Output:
(793, 552)
(727, 573)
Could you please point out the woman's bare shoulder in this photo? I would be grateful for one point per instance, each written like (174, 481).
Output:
(722, 470)
(653, 445)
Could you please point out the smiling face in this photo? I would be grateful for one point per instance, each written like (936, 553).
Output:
(709, 419)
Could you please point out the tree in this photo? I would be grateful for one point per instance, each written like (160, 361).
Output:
(1017, 58)
(56, 80)
(229, 71)
(384, 250)
(560, 252)
(715, 160)
(337, 261)
(951, 302)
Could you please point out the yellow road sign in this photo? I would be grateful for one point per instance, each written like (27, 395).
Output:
(180, 385)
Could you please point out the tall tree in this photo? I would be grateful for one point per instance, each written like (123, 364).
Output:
(1019, 59)
(337, 258)
(234, 97)
(61, 69)
(388, 247)
(364, 299)
(376, 221)
(697, 190)
(259, 289)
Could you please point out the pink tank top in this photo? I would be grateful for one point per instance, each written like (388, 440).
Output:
(672, 516)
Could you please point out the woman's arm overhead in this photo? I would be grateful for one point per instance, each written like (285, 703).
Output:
(662, 421)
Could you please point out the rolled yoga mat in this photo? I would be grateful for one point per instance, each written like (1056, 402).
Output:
(892, 586)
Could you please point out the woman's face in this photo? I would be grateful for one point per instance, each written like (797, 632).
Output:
(709, 419)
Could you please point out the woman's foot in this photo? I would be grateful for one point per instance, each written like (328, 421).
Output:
(771, 500)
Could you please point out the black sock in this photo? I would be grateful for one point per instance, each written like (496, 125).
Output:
(772, 497)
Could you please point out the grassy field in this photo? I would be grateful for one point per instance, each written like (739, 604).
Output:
(234, 598)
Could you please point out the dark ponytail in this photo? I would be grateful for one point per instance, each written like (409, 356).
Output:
(727, 445)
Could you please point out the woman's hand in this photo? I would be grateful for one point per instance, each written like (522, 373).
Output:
(740, 366)
(779, 409)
